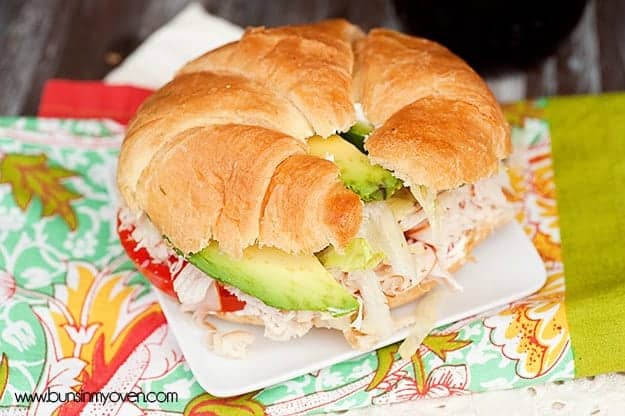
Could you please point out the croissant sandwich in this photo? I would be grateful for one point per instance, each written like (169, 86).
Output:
(311, 176)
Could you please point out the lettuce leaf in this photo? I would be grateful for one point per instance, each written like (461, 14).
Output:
(382, 231)
(427, 199)
(376, 318)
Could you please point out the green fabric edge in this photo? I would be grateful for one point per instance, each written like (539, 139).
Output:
(588, 145)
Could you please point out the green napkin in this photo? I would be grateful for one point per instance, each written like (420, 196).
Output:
(588, 145)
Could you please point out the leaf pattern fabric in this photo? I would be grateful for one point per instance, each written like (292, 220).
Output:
(75, 314)
(31, 176)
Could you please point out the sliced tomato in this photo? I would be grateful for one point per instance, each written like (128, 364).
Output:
(229, 302)
(159, 274)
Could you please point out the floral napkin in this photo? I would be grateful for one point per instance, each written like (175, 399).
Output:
(75, 316)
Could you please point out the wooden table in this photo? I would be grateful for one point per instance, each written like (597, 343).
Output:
(84, 39)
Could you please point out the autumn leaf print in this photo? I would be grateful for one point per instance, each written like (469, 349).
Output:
(441, 344)
(207, 405)
(4, 373)
(31, 176)
(386, 357)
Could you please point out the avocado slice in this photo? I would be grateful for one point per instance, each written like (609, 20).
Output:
(357, 134)
(358, 255)
(279, 279)
(371, 182)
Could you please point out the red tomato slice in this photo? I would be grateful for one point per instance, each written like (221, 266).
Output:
(159, 275)
(229, 302)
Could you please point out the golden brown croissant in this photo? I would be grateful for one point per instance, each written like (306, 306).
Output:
(220, 154)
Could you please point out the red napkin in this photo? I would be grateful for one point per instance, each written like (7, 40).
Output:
(90, 99)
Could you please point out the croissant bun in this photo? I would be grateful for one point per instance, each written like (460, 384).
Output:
(219, 153)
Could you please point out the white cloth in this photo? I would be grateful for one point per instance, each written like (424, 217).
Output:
(185, 37)
(194, 32)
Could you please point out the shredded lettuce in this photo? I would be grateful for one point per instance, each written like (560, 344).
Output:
(358, 255)
(424, 322)
(383, 233)
(402, 203)
(427, 199)
(376, 318)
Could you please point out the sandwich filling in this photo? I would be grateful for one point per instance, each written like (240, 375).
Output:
(395, 251)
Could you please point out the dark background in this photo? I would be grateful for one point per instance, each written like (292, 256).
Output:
(84, 39)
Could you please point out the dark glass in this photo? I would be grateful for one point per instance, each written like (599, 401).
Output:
(493, 34)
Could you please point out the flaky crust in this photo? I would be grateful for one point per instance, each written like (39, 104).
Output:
(411, 294)
(217, 154)
(439, 124)
(311, 65)
(205, 184)
(306, 206)
(238, 318)
(197, 100)
(436, 142)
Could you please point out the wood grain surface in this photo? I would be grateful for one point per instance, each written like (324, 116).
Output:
(84, 39)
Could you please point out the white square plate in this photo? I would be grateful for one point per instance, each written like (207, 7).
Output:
(507, 268)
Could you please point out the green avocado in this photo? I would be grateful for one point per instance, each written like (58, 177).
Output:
(357, 134)
(358, 255)
(371, 182)
(279, 279)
